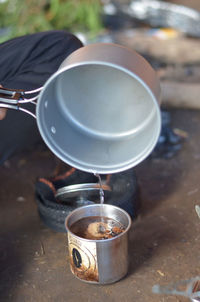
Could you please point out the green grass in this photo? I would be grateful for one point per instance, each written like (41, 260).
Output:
(30, 16)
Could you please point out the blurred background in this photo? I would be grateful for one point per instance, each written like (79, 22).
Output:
(19, 17)
(94, 17)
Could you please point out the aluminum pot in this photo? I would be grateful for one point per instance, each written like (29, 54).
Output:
(100, 111)
(102, 261)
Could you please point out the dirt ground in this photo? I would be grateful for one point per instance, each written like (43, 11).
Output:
(164, 240)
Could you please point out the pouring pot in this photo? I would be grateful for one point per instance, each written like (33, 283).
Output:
(100, 111)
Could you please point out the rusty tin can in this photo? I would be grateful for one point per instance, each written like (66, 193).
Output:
(102, 261)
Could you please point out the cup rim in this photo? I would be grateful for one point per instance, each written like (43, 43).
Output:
(97, 240)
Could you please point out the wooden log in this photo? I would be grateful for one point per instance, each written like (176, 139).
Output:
(177, 50)
(180, 94)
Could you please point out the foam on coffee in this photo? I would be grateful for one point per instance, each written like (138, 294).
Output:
(97, 228)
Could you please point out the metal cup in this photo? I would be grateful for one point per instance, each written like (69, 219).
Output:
(102, 261)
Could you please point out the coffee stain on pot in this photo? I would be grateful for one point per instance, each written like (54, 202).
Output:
(83, 259)
(83, 273)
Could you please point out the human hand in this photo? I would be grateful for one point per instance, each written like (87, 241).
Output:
(3, 111)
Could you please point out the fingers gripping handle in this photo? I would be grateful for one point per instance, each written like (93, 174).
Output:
(14, 98)
(10, 96)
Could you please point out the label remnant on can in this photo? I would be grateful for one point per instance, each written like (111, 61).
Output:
(83, 259)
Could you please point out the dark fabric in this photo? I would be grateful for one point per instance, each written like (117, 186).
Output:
(26, 63)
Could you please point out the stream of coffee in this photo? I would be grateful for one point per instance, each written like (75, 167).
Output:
(101, 197)
(101, 191)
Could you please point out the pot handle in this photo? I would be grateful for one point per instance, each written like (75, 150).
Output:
(14, 98)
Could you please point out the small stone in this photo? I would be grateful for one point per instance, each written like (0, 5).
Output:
(21, 199)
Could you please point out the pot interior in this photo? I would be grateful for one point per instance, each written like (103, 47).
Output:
(98, 117)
